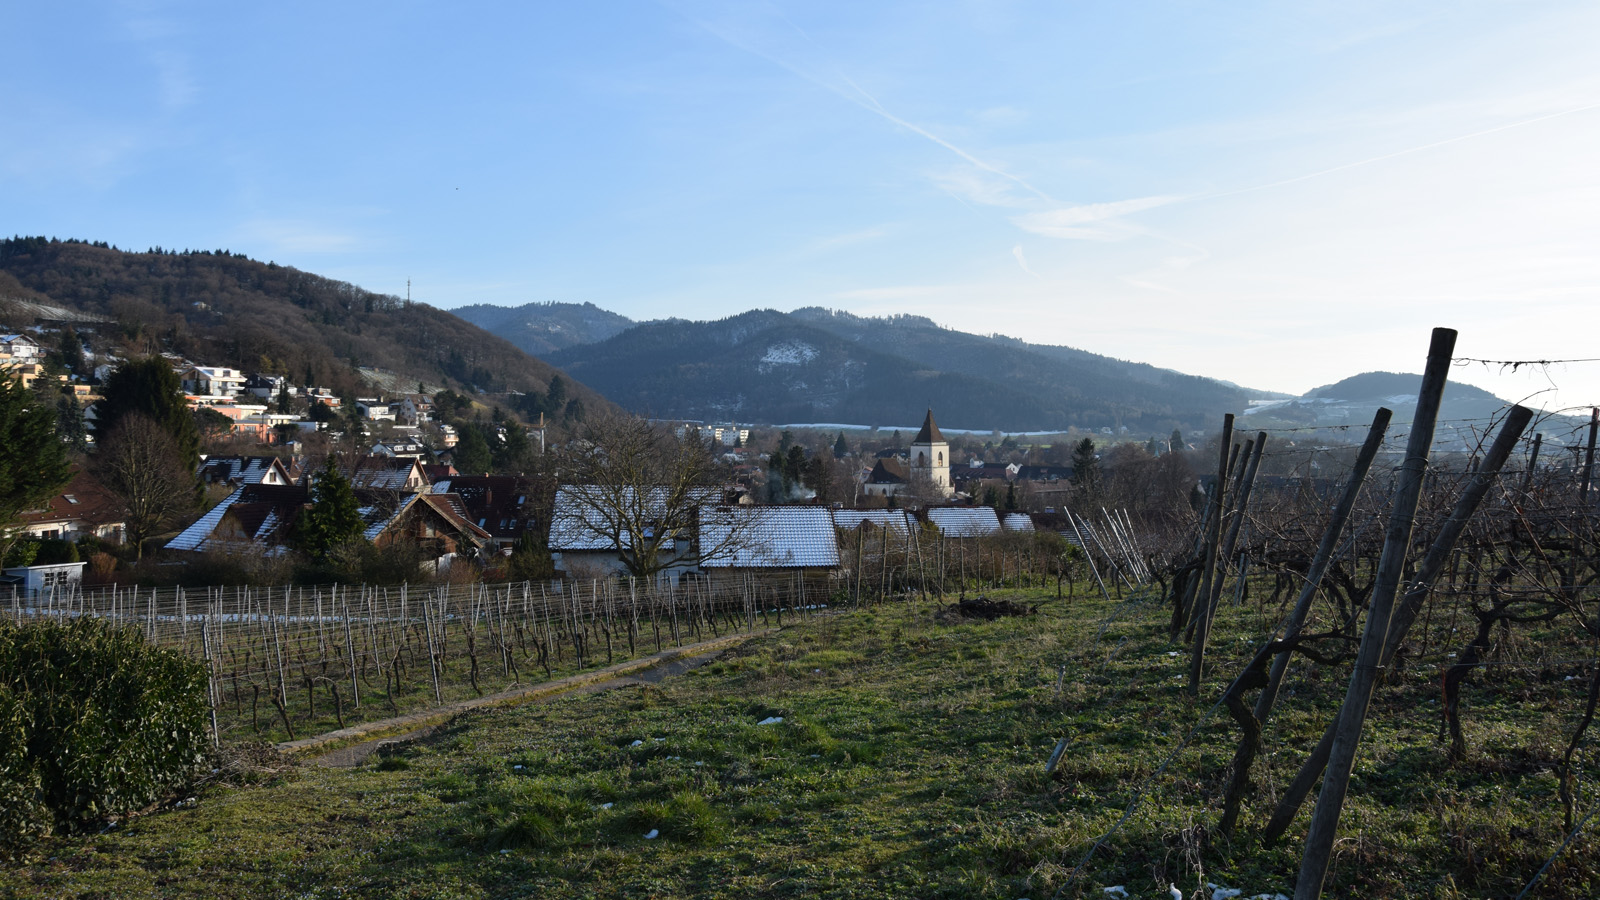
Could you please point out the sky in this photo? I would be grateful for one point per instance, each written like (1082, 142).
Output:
(1275, 194)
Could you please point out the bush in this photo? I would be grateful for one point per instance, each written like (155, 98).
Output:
(94, 723)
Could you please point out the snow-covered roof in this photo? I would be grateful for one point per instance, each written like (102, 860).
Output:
(1017, 521)
(767, 537)
(964, 521)
(579, 518)
(851, 519)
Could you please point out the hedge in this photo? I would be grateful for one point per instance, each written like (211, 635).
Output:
(94, 723)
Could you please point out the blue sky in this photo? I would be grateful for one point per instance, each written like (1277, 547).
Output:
(1276, 194)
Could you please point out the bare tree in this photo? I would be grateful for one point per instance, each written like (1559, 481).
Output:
(634, 488)
(140, 462)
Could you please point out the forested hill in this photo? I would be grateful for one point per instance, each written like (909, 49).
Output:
(541, 328)
(219, 308)
(813, 365)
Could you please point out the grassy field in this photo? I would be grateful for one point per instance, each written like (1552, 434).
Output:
(909, 762)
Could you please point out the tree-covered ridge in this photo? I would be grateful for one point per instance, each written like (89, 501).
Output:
(542, 328)
(224, 309)
(817, 366)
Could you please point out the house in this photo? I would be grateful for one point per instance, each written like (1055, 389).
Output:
(19, 348)
(887, 478)
(502, 505)
(791, 540)
(256, 518)
(212, 381)
(893, 519)
(83, 507)
(389, 473)
(374, 409)
(30, 373)
(237, 470)
(267, 386)
(964, 521)
(585, 518)
(260, 518)
(399, 448)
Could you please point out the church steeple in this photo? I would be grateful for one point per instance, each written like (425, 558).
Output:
(930, 456)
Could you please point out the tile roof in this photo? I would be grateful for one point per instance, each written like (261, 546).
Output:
(389, 473)
(851, 519)
(264, 513)
(243, 470)
(1017, 521)
(84, 499)
(964, 521)
(888, 471)
(502, 505)
(577, 523)
(929, 433)
(768, 537)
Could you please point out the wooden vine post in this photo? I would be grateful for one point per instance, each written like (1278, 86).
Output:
(1397, 540)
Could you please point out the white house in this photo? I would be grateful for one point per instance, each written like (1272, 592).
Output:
(19, 348)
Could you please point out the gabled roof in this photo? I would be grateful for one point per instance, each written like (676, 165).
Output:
(84, 499)
(236, 470)
(768, 537)
(389, 473)
(500, 504)
(895, 519)
(929, 433)
(577, 524)
(964, 521)
(265, 514)
(888, 471)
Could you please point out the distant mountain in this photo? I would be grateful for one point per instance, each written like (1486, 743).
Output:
(1465, 414)
(542, 328)
(814, 365)
(220, 308)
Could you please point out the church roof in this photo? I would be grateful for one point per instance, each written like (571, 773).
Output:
(929, 433)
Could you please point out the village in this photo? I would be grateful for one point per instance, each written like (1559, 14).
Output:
(518, 504)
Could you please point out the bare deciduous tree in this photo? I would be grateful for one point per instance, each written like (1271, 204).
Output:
(139, 461)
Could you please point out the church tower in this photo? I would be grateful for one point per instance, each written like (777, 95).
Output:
(930, 456)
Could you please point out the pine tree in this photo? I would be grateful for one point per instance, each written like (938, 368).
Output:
(149, 386)
(335, 514)
(33, 461)
(840, 448)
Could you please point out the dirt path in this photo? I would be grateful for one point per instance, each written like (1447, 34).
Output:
(360, 741)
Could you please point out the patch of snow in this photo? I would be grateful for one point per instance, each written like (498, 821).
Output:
(637, 744)
(1116, 890)
(652, 834)
(789, 353)
(606, 805)
(1223, 893)
(771, 720)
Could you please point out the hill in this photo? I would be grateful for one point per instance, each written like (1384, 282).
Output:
(1465, 413)
(541, 328)
(224, 309)
(814, 365)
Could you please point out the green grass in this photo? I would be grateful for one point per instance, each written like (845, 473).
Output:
(909, 763)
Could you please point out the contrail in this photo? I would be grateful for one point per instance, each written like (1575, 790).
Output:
(865, 101)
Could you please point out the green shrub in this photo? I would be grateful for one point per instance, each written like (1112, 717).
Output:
(94, 722)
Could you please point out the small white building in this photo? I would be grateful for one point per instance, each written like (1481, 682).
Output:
(33, 580)
(19, 348)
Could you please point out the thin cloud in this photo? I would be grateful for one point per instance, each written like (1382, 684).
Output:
(1022, 260)
(1090, 221)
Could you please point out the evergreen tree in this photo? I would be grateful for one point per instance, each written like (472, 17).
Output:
(840, 448)
(1176, 441)
(283, 397)
(1085, 465)
(472, 455)
(530, 559)
(149, 386)
(1011, 496)
(334, 516)
(33, 461)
